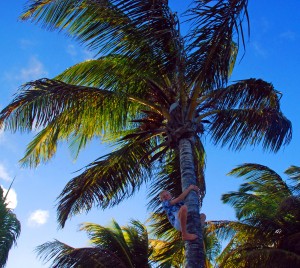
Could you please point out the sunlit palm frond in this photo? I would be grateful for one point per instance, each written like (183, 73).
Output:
(169, 254)
(168, 246)
(65, 112)
(106, 182)
(212, 49)
(40, 102)
(240, 127)
(111, 239)
(212, 246)
(116, 73)
(130, 243)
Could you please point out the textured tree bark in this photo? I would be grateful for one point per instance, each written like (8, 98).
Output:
(194, 249)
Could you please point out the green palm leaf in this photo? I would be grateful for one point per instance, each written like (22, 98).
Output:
(106, 182)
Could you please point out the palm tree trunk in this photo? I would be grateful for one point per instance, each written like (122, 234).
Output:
(194, 249)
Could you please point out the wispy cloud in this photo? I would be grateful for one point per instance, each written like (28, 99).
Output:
(78, 54)
(34, 70)
(38, 218)
(71, 50)
(25, 43)
(259, 49)
(288, 35)
(11, 199)
(4, 174)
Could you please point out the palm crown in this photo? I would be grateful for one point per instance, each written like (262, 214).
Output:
(267, 207)
(113, 246)
(150, 90)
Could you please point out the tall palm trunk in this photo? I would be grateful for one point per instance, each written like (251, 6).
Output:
(194, 249)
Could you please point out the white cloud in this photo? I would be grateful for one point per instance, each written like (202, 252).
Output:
(4, 174)
(38, 217)
(34, 70)
(11, 199)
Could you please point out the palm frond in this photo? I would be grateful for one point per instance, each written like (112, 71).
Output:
(139, 29)
(63, 255)
(65, 112)
(294, 176)
(263, 191)
(240, 127)
(269, 220)
(211, 48)
(124, 76)
(106, 182)
(136, 237)
(244, 94)
(110, 239)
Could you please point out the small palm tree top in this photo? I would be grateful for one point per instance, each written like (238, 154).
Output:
(112, 246)
(267, 207)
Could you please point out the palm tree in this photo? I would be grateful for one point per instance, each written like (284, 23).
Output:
(267, 233)
(152, 92)
(113, 246)
(10, 229)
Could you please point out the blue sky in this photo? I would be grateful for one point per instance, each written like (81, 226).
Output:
(29, 52)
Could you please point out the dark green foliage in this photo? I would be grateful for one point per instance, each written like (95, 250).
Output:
(10, 229)
(268, 210)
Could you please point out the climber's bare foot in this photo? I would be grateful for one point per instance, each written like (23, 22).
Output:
(188, 237)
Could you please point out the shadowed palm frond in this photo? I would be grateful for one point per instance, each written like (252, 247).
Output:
(244, 94)
(139, 29)
(211, 48)
(294, 178)
(63, 255)
(106, 182)
(240, 127)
